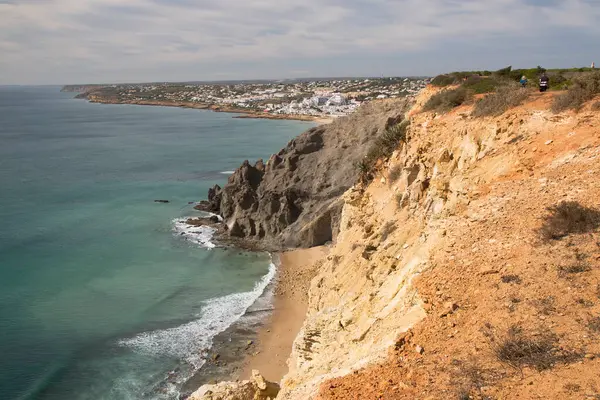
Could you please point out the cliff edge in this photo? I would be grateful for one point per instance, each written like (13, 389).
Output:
(468, 268)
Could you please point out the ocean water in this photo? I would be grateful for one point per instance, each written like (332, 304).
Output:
(104, 294)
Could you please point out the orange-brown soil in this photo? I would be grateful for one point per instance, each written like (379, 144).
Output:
(494, 273)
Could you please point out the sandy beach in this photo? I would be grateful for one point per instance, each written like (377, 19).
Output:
(275, 338)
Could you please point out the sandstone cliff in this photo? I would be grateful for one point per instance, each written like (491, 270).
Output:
(469, 268)
(439, 285)
(294, 199)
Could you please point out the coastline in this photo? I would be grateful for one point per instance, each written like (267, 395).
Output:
(263, 337)
(276, 334)
(245, 113)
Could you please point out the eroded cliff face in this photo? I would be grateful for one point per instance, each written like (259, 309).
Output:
(294, 199)
(403, 228)
(438, 263)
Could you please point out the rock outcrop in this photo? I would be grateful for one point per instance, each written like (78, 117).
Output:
(255, 389)
(294, 199)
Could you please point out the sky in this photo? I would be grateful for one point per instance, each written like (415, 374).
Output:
(111, 41)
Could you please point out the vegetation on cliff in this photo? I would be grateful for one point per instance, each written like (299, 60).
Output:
(499, 245)
(294, 199)
(583, 89)
(466, 261)
(502, 91)
(381, 149)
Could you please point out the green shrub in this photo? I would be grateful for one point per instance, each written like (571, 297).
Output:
(497, 103)
(447, 100)
(504, 72)
(480, 85)
(382, 148)
(444, 80)
(583, 89)
(557, 79)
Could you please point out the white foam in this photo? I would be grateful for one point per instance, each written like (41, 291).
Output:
(191, 341)
(227, 172)
(215, 215)
(201, 235)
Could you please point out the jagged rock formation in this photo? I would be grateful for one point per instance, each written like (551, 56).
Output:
(294, 199)
(255, 389)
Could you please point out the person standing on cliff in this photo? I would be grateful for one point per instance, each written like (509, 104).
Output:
(523, 81)
(544, 82)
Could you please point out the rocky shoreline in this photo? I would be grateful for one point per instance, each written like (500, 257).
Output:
(293, 200)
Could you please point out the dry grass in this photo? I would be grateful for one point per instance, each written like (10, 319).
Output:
(596, 106)
(469, 377)
(572, 387)
(545, 305)
(566, 218)
(594, 324)
(577, 268)
(497, 103)
(583, 89)
(518, 349)
(584, 303)
(511, 279)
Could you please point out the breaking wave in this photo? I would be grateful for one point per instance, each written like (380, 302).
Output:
(201, 235)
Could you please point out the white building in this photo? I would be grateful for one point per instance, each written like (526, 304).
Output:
(336, 100)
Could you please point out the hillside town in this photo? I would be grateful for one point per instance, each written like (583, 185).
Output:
(311, 98)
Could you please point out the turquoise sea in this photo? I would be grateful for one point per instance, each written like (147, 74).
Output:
(101, 296)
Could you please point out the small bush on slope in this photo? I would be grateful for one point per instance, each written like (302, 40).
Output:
(382, 148)
(568, 217)
(540, 351)
(583, 89)
(497, 103)
(447, 100)
(479, 85)
(444, 80)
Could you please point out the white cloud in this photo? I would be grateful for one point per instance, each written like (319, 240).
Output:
(94, 40)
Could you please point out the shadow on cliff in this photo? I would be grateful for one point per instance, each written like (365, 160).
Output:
(294, 199)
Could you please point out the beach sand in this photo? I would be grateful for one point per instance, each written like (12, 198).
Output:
(276, 336)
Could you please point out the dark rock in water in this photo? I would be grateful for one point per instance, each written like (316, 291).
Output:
(203, 206)
(200, 221)
(294, 199)
(213, 202)
(161, 201)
